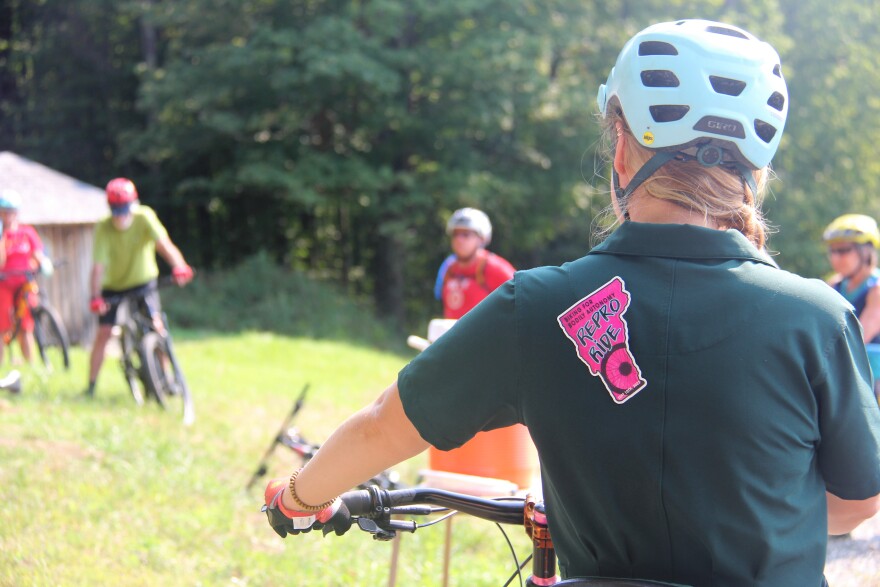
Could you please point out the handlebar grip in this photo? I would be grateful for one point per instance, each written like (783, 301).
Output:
(358, 502)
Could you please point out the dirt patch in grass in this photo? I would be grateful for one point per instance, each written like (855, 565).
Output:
(62, 451)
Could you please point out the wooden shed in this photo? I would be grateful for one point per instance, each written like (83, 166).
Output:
(64, 212)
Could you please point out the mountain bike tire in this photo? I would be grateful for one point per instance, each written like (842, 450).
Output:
(132, 363)
(51, 338)
(166, 377)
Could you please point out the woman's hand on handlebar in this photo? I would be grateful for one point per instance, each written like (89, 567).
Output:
(334, 518)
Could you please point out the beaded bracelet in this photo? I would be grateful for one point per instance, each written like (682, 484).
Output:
(304, 507)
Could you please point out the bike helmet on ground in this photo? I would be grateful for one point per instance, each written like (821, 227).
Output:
(690, 83)
(10, 199)
(121, 191)
(853, 228)
(471, 219)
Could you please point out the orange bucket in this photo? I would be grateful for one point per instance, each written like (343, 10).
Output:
(505, 453)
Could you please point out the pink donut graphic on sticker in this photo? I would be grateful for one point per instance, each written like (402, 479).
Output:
(596, 327)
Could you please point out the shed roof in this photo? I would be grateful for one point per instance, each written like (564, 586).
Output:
(49, 196)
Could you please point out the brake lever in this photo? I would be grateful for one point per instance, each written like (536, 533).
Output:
(388, 529)
(368, 525)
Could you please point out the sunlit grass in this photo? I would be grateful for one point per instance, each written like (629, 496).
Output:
(101, 492)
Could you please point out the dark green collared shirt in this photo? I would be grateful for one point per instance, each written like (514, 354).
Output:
(690, 404)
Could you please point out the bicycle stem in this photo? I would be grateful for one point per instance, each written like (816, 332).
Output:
(543, 552)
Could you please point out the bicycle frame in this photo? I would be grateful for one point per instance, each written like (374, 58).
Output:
(132, 312)
(22, 302)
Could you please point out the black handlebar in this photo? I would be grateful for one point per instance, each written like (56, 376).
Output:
(377, 503)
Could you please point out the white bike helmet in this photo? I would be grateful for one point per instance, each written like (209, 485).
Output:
(695, 82)
(10, 199)
(471, 219)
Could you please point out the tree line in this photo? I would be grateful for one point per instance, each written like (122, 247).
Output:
(338, 135)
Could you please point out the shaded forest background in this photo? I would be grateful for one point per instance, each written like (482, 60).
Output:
(337, 136)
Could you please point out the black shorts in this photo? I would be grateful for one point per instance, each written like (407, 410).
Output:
(148, 292)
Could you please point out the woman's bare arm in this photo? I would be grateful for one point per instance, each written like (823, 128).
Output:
(377, 437)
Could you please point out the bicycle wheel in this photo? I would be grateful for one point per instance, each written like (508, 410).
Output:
(166, 378)
(51, 338)
(132, 363)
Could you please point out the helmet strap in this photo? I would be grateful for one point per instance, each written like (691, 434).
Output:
(659, 159)
(747, 176)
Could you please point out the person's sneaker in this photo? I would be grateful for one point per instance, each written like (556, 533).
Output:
(90, 391)
(12, 382)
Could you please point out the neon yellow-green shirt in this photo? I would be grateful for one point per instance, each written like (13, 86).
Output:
(128, 256)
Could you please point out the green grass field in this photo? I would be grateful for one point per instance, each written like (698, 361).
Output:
(101, 492)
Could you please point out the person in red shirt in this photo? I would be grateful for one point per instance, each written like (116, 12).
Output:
(22, 251)
(475, 272)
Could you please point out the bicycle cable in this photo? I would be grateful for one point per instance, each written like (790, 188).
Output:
(519, 567)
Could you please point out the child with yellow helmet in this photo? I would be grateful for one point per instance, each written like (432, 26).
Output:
(853, 241)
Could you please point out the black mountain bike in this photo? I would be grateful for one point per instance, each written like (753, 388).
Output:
(378, 511)
(50, 334)
(148, 358)
(291, 438)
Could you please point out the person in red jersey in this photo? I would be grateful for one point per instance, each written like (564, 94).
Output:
(22, 252)
(475, 272)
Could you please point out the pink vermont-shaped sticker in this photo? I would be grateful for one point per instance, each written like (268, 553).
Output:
(596, 326)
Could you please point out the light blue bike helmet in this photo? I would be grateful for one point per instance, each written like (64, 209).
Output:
(702, 88)
(10, 199)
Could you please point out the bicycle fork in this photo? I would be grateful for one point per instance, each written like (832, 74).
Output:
(543, 552)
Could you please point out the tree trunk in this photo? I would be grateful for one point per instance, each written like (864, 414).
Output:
(389, 279)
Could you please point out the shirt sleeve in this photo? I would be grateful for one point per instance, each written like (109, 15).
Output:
(849, 418)
(466, 381)
(154, 226)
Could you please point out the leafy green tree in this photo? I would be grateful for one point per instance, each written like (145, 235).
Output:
(340, 134)
(68, 81)
(350, 130)
(828, 161)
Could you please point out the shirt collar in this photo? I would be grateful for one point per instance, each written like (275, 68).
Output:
(680, 241)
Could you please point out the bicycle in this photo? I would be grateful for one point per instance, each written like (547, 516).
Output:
(374, 510)
(50, 335)
(148, 356)
(292, 439)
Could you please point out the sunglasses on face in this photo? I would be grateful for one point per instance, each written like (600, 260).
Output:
(840, 250)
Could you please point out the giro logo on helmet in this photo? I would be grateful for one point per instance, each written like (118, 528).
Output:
(721, 126)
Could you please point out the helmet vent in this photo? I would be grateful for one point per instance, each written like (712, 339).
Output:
(725, 31)
(657, 48)
(727, 86)
(776, 101)
(668, 113)
(659, 78)
(765, 130)
(777, 70)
